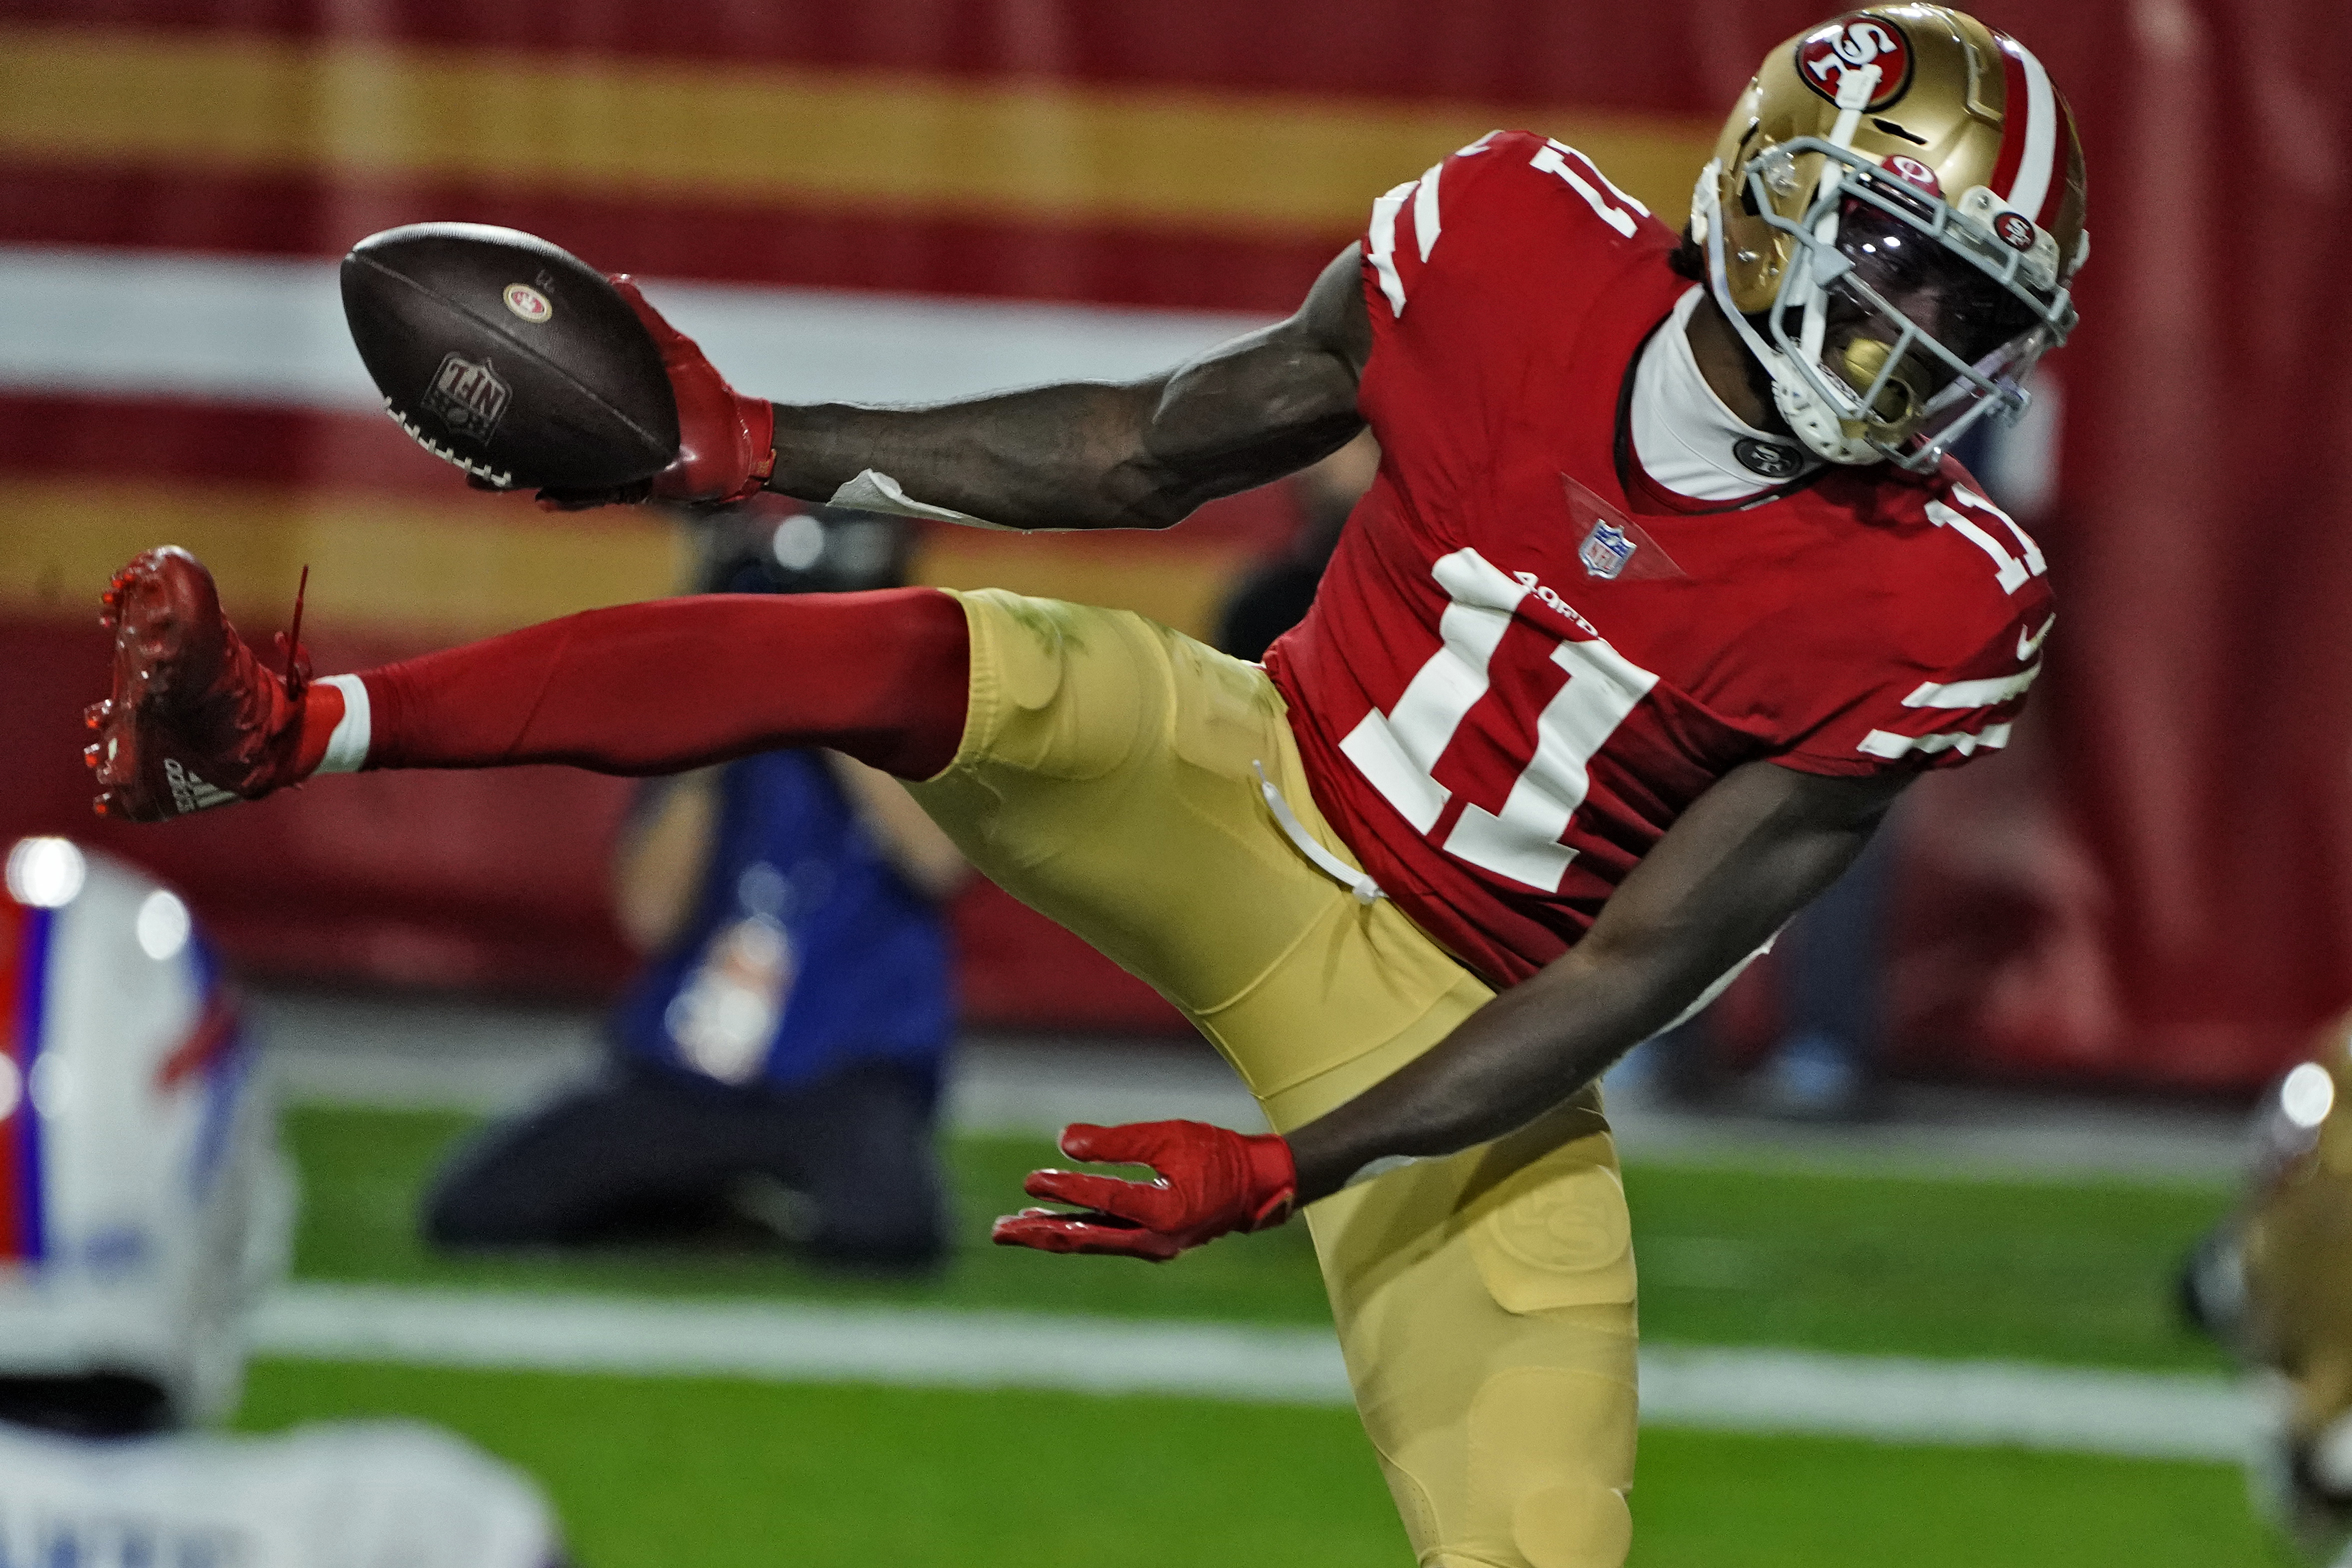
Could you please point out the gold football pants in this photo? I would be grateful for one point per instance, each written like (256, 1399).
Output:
(1485, 1302)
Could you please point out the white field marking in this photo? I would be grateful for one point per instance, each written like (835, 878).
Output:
(493, 1060)
(992, 1089)
(1886, 1399)
(1970, 1403)
(252, 329)
(905, 1346)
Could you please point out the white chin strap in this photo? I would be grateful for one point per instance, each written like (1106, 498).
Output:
(1811, 416)
(1815, 422)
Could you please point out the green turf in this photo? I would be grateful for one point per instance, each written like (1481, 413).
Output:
(2072, 1271)
(1711, 1500)
(2056, 1272)
(362, 1172)
(712, 1474)
(719, 1473)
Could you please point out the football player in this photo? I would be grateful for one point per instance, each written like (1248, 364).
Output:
(2274, 1283)
(1664, 593)
(144, 1204)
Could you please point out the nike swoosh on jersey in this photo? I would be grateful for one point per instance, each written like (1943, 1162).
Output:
(2027, 646)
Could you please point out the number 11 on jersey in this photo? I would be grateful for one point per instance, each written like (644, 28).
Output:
(1397, 751)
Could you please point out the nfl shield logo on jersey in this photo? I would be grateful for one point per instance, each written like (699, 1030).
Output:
(1614, 546)
(1606, 549)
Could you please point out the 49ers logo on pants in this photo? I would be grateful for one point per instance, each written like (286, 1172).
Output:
(1826, 54)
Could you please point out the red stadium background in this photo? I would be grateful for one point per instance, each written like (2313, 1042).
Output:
(2154, 888)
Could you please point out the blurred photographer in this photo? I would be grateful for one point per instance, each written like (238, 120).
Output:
(1273, 596)
(775, 1067)
(143, 1208)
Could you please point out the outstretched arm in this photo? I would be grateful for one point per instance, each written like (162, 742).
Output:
(1093, 456)
(1749, 853)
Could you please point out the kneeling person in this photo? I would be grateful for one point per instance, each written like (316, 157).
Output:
(775, 1067)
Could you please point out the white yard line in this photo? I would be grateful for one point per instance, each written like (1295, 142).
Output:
(488, 1061)
(1886, 1399)
(248, 329)
(1973, 1404)
(994, 1088)
(909, 1346)
(492, 1058)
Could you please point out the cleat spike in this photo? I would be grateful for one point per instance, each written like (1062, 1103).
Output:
(294, 683)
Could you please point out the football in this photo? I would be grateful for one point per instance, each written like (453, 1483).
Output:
(509, 357)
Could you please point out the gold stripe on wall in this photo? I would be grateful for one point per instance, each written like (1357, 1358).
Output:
(884, 142)
(458, 570)
(476, 567)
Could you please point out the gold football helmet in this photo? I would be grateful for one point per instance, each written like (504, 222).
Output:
(2275, 1284)
(1891, 220)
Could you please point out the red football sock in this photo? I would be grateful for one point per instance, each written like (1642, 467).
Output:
(322, 709)
(684, 683)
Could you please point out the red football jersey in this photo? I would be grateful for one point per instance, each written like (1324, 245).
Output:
(1516, 674)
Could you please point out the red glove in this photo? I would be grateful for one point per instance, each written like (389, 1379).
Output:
(1211, 1181)
(726, 441)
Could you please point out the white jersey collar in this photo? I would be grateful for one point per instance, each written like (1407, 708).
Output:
(1686, 440)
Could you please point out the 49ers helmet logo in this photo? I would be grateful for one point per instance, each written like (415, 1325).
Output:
(1826, 54)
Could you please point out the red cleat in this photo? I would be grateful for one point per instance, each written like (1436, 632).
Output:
(195, 720)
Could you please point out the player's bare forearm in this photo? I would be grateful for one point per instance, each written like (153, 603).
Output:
(1088, 455)
(1747, 855)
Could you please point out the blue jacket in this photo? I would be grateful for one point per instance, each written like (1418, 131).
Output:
(807, 951)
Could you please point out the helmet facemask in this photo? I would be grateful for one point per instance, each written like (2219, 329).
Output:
(1900, 322)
